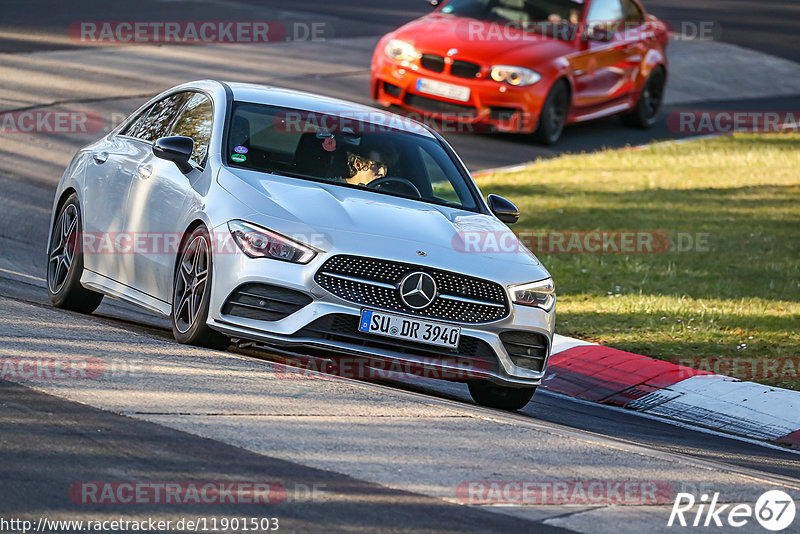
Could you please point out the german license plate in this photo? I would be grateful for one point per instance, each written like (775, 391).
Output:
(408, 328)
(446, 90)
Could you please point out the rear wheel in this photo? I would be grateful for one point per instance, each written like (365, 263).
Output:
(645, 113)
(192, 294)
(65, 262)
(504, 398)
(553, 115)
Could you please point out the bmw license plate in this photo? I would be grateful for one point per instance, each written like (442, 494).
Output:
(408, 328)
(446, 90)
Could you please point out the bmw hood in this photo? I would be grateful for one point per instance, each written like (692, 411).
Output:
(350, 221)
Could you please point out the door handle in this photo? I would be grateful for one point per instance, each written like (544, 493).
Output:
(100, 157)
(144, 172)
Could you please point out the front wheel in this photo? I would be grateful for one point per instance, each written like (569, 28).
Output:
(553, 115)
(504, 398)
(65, 262)
(645, 113)
(192, 294)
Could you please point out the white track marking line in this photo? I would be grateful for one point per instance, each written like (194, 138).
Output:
(36, 278)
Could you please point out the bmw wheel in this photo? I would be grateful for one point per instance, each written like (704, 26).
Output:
(65, 262)
(553, 115)
(504, 398)
(192, 294)
(645, 113)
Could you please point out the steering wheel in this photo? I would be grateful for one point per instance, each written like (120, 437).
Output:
(407, 187)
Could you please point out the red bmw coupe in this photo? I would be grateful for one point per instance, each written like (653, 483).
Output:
(526, 65)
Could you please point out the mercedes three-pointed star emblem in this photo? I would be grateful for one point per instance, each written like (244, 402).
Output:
(418, 290)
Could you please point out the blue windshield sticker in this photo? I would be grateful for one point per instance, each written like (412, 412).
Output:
(240, 149)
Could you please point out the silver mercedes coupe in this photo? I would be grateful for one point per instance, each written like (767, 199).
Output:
(308, 225)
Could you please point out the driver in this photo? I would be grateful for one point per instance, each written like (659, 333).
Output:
(555, 18)
(365, 167)
(371, 160)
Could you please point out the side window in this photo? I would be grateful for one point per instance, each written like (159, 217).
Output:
(605, 14)
(133, 127)
(195, 121)
(632, 14)
(161, 117)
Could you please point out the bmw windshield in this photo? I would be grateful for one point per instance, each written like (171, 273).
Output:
(345, 152)
(550, 16)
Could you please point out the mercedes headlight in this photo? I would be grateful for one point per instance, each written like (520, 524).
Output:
(259, 242)
(401, 50)
(540, 294)
(511, 75)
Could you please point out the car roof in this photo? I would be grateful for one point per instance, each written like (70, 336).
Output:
(289, 98)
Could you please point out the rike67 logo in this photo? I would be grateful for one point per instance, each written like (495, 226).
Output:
(774, 510)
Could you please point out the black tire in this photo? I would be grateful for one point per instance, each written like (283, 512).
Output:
(504, 398)
(65, 261)
(190, 306)
(553, 115)
(645, 114)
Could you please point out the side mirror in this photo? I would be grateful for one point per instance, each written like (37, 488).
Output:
(177, 149)
(597, 31)
(503, 209)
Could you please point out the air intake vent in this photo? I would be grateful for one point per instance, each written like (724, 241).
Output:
(264, 302)
(526, 349)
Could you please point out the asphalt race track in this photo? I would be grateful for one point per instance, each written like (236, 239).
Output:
(383, 456)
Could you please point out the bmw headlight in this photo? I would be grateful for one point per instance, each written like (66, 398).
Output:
(401, 50)
(540, 294)
(259, 242)
(511, 75)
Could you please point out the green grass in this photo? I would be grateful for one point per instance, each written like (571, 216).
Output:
(742, 193)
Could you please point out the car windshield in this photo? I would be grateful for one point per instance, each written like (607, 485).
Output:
(529, 15)
(345, 152)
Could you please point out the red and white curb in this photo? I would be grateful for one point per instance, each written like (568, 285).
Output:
(614, 377)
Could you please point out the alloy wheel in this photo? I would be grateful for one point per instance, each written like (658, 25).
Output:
(558, 113)
(653, 93)
(191, 283)
(62, 248)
